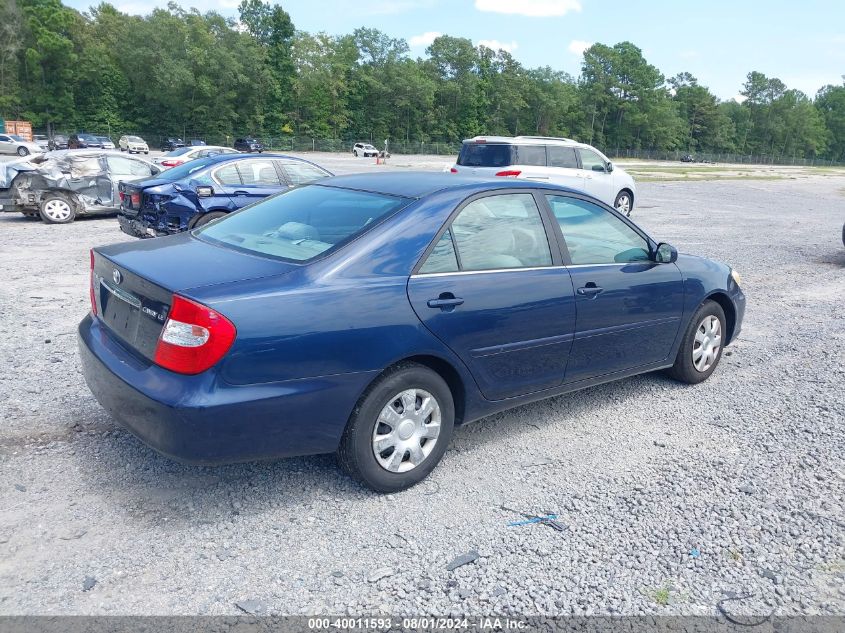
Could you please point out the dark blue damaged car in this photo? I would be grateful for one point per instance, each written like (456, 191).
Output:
(369, 315)
(199, 191)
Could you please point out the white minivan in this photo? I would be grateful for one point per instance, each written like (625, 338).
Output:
(558, 160)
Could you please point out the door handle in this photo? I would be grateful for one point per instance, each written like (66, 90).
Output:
(240, 192)
(446, 302)
(536, 177)
(591, 291)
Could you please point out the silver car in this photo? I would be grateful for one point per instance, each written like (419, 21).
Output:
(14, 144)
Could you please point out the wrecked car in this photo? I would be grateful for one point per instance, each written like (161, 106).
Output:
(202, 190)
(59, 186)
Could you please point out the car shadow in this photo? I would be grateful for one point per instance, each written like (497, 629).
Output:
(146, 486)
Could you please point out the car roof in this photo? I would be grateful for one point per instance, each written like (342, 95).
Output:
(419, 184)
(222, 158)
(526, 140)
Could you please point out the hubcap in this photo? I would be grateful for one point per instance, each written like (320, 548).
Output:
(623, 204)
(57, 210)
(708, 341)
(406, 430)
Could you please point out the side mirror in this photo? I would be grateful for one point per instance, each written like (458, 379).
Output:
(205, 192)
(665, 254)
(609, 167)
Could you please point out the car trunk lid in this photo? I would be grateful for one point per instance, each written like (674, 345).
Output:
(133, 283)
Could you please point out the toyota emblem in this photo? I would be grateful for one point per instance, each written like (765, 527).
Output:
(115, 274)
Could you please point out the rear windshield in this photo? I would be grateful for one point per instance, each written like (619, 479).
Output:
(180, 151)
(302, 223)
(501, 155)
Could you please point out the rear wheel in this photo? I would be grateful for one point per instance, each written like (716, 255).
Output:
(56, 208)
(22, 151)
(624, 202)
(206, 218)
(702, 345)
(399, 429)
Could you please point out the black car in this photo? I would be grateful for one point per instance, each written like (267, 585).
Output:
(687, 158)
(195, 142)
(248, 145)
(59, 141)
(82, 140)
(172, 143)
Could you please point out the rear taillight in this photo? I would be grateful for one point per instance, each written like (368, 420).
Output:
(194, 337)
(91, 291)
(122, 195)
(454, 170)
(509, 173)
(135, 199)
(171, 163)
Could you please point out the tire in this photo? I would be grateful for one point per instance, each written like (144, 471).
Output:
(355, 153)
(57, 208)
(700, 334)
(357, 451)
(206, 218)
(624, 202)
(22, 151)
(146, 152)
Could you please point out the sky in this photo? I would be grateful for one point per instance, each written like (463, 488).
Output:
(718, 41)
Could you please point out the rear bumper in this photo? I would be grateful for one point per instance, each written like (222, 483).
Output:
(136, 228)
(201, 419)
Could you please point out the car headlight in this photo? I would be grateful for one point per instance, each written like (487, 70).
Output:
(736, 277)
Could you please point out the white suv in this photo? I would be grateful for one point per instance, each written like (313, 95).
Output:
(133, 144)
(364, 149)
(558, 160)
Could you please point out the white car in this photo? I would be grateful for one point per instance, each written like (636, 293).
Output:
(184, 154)
(364, 149)
(14, 144)
(557, 160)
(107, 142)
(133, 144)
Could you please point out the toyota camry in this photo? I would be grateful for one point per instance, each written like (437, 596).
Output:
(368, 315)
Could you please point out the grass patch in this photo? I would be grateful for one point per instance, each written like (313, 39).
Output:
(661, 596)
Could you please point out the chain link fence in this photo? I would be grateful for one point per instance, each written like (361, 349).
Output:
(713, 157)
(447, 148)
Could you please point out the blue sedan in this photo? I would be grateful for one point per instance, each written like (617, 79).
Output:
(201, 190)
(368, 315)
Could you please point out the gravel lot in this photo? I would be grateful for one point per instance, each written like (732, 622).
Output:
(675, 497)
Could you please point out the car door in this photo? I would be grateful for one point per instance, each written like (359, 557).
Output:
(563, 167)
(258, 179)
(493, 290)
(598, 181)
(628, 307)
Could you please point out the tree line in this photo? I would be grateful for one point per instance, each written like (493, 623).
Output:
(178, 70)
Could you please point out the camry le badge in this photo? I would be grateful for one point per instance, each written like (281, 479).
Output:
(115, 274)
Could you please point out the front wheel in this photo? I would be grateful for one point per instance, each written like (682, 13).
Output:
(399, 429)
(56, 208)
(701, 347)
(22, 151)
(624, 202)
(355, 153)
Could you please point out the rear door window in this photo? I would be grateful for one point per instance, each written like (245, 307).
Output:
(562, 157)
(228, 175)
(534, 155)
(258, 173)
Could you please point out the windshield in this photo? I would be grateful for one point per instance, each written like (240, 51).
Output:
(485, 155)
(180, 151)
(17, 138)
(186, 169)
(302, 223)
(105, 139)
(134, 139)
